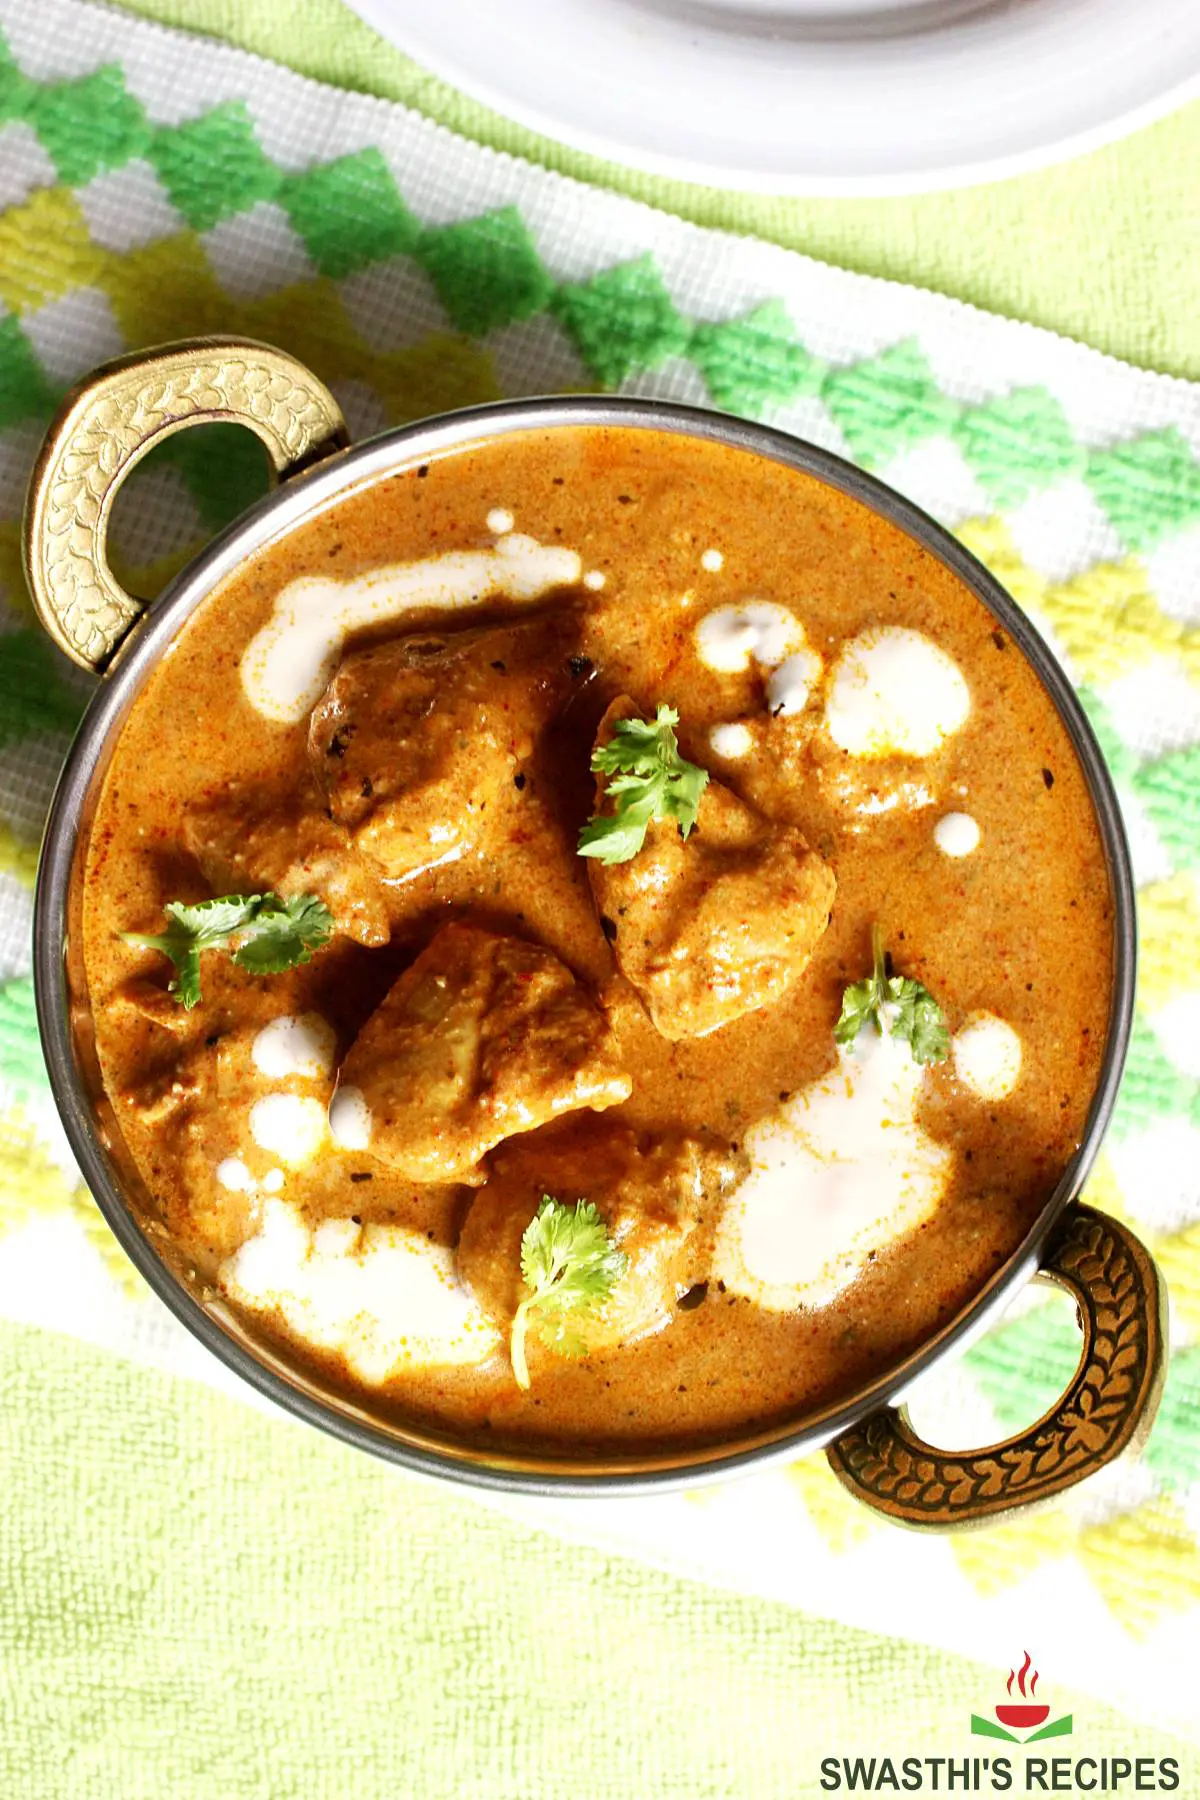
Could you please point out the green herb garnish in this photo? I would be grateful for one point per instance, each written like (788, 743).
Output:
(650, 781)
(896, 1005)
(569, 1266)
(272, 934)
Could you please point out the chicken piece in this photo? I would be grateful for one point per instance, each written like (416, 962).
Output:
(248, 843)
(483, 1037)
(413, 739)
(147, 1000)
(659, 1199)
(717, 926)
(224, 1129)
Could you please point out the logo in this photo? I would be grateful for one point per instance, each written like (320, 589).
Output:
(1023, 1720)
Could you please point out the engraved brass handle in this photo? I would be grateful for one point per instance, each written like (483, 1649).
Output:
(108, 423)
(1108, 1408)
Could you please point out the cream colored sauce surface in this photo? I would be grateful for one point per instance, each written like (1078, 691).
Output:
(302, 1047)
(732, 741)
(730, 638)
(893, 691)
(987, 1056)
(287, 663)
(289, 1126)
(789, 685)
(956, 834)
(350, 1119)
(381, 1296)
(840, 1171)
(1021, 930)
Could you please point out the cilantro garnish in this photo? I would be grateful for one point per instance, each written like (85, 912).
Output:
(271, 934)
(569, 1266)
(650, 781)
(896, 1005)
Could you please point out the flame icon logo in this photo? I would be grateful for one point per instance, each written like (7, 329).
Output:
(1024, 1715)
(1022, 1712)
(1020, 1679)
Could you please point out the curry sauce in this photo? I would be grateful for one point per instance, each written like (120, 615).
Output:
(203, 791)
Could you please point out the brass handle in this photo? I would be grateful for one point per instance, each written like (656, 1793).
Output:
(1108, 1408)
(108, 423)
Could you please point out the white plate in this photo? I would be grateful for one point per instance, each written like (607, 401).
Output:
(813, 96)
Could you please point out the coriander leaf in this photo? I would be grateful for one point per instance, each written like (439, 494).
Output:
(212, 920)
(184, 952)
(650, 781)
(272, 934)
(619, 838)
(282, 935)
(569, 1266)
(897, 1006)
(186, 985)
(860, 1006)
(862, 1001)
(919, 1020)
(207, 925)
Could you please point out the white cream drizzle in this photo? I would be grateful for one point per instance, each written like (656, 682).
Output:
(500, 520)
(287, 664)
(906, 796)
(864, 801)
(731, 741)
(789, 686)
(987, 1056)
(595, 580)
(289, 1126)
(303, 1046)
(840, 1170)
(350, 1119)
(233, 1174)
(893, 692)
(712, 561)
(383, 1296)
(729, 638)
(956, 834)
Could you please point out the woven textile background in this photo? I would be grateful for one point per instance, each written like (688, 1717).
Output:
(1101, 248)
(154, 188)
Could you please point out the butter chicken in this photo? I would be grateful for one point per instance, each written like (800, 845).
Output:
(597, 938)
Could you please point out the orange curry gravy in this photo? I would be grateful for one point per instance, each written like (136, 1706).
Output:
(1022, 928)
